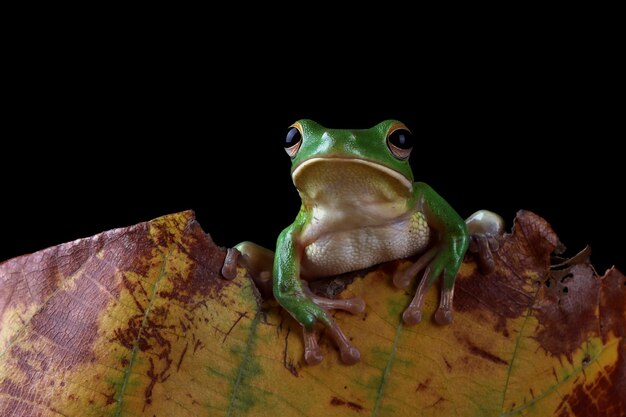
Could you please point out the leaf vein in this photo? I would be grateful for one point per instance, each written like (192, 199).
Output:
(242, 365)
(517, 344)
(556, 387)
(383, 379)
(144, 322)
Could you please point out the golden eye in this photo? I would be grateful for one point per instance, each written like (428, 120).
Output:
(400, 141)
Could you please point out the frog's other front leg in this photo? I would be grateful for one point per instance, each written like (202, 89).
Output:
(442, 259)
(309, 310)
(484, 227)
(480, 232)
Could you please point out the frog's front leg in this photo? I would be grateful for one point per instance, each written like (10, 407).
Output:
(296, 297)
(442, 259)
(309, 310)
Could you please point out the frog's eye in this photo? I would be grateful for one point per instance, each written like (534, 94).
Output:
(400, 142)
(293, 140)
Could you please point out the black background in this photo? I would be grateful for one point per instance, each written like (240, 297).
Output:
(111, 143)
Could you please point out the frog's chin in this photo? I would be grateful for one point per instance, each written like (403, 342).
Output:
(349, 176)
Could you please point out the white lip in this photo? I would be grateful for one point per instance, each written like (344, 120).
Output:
(388, 171)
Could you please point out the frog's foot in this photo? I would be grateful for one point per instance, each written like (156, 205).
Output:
(317, 312)
(413, 313)
(436, 262)
(312, 353)
(485, 227)
(257, 260)
(484, 247)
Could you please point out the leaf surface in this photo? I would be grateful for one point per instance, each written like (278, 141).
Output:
(138, 322)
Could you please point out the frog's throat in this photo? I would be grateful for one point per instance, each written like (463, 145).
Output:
(388, 171)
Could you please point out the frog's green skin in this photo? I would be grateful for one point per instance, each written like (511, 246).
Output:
(360, 207)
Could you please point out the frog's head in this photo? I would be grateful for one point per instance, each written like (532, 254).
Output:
(351, 162)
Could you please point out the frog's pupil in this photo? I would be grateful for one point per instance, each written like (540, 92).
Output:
(401, 139)
(293, 137)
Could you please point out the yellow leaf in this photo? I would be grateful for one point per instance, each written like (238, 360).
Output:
(138, 322)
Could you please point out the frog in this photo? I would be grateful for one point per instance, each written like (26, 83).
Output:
(360, 207)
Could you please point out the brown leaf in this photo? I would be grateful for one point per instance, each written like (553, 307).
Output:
(137, 321)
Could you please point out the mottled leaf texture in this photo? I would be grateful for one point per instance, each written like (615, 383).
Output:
(138, 322)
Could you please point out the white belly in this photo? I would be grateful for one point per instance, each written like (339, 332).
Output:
(350, 250)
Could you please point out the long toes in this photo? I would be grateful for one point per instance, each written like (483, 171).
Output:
(354, 305)
(402, 279)
(444, 311)
(485, 257)
(349, 354)
(411, 316)
(494, 243)
(312, 353)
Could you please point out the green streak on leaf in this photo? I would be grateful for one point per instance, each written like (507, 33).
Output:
(241, 397)
(133, 355)
(395, 307)
(383, 378)
(515, 349)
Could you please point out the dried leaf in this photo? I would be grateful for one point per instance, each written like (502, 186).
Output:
(137, 321)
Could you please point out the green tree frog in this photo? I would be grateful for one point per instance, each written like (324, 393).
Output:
(360, 207)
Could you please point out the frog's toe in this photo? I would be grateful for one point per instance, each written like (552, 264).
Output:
(357, 305)
(313, 356)
(402, 277)
(443, 316)
(411, 316)
(354, 305)
(413, 313)
(484, 247)
(229, 269)
(444, 312)
(349, 354)
(312, 353)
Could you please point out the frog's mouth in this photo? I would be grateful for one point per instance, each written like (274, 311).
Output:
(329, 178)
